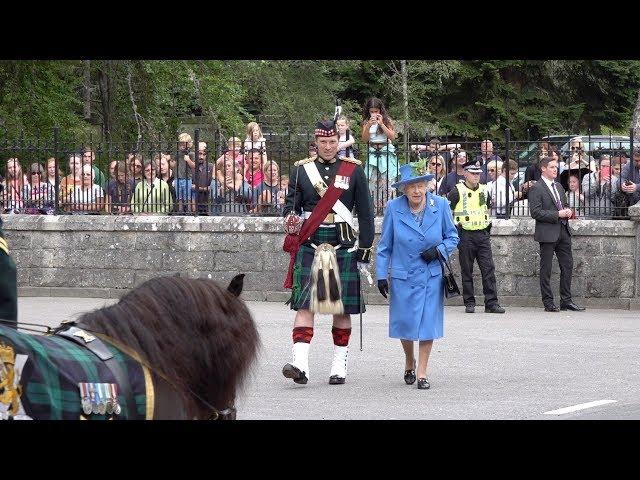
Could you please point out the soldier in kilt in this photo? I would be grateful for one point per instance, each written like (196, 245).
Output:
(8, 284)
(352, 252)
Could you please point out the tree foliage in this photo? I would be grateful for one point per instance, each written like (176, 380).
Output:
(151, 99)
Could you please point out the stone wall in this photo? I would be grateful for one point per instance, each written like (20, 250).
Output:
(104, 256)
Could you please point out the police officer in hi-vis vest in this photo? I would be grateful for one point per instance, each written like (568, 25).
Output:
(470, 205)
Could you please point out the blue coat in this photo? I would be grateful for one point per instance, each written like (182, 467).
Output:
(416, 304)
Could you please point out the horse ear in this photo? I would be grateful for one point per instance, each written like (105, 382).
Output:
(235, 287)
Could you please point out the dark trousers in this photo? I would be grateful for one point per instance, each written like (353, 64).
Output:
(476, 245)
(565, 259)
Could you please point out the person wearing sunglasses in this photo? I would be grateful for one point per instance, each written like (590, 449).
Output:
(578, 158)
(435, 166)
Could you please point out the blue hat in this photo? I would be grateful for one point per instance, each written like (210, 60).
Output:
(413, 172)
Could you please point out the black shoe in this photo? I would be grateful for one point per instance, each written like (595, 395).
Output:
(410, 375)
(469, 308)
(336, 380)
(551, 308)
(494, 309)
(295, 373)
(423, 384)
(572, 306)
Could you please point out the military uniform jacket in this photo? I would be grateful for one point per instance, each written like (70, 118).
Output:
(8, 282)
(356, 198)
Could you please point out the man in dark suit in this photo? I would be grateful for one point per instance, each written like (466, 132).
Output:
(548, 206)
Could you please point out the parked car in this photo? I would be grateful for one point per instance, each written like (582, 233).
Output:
(597, 145)
(594, 145)
(530, 154)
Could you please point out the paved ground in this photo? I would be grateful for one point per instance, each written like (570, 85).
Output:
(513, 366)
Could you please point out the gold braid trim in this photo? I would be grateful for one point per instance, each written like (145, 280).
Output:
(4, 246)
(305, 160)
(146, 369)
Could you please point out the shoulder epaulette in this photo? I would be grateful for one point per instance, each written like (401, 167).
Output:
(304, 160)
(352, 160)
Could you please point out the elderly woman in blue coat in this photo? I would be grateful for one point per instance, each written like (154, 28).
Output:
(417, 227)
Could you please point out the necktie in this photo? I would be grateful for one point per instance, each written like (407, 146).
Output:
(556, 196)
(558, 204)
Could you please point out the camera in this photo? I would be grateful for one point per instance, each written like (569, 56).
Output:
(628, 182)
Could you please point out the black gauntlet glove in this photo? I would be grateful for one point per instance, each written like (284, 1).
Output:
(430, 254)
(383, 287)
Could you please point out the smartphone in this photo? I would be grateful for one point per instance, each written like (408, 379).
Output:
(605, 172)
(628, 182)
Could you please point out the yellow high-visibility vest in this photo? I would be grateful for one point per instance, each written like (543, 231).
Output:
(468, 212)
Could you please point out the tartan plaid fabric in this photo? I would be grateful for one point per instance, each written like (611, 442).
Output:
(347, 263)
(55, 367)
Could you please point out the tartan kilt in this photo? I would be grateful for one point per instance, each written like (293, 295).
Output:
(349, 275)
(53, 369)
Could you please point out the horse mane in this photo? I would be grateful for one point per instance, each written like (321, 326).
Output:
(198, 335)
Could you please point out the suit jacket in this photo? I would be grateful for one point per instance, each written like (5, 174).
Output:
(542, 206)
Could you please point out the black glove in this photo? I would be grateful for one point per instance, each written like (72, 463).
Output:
(383, 287)
(430, 254)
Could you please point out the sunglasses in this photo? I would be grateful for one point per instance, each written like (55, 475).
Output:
(435, 164)
(36, 173)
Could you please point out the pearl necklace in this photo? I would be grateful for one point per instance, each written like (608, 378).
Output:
(419, 213)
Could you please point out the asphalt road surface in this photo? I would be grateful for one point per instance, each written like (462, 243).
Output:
(523, 365)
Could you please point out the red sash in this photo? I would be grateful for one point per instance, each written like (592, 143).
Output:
(292, 242)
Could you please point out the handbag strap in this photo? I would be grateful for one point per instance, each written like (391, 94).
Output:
(444, 262)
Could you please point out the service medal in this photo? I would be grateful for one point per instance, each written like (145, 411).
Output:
(92, 395)
(85, 402)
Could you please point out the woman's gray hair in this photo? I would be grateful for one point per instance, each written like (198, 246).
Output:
(402, 187)
(152, 162)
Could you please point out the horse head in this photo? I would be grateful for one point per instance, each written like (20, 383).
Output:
(195, 336)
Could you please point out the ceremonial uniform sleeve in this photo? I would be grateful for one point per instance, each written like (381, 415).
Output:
(292, 195)
(8, 284)
(364, 211)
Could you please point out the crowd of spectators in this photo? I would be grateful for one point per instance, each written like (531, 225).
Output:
(242, 179)
(596, 188)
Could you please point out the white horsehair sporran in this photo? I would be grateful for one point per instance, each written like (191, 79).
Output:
(326, 288)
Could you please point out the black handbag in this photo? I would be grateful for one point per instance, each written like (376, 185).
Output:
(450, 286)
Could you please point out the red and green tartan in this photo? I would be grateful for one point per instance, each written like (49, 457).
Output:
(349, 275)
(55, 367)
